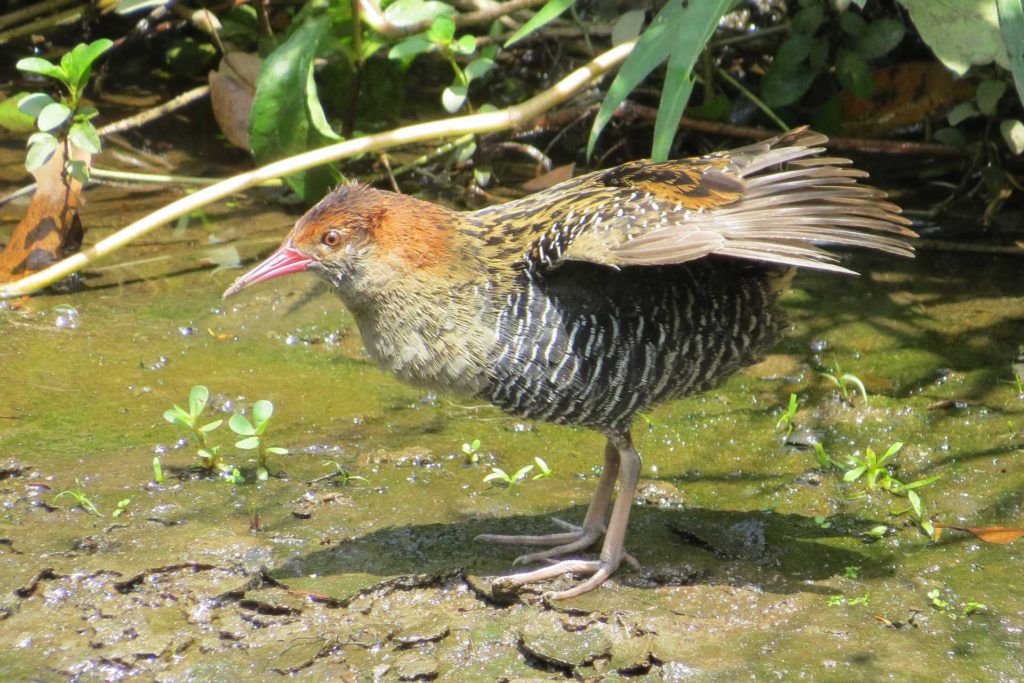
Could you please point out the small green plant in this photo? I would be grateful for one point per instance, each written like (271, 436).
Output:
(504, 478)
(822, 521)
(158, 470)
(440, 38)
(122, 507)
(851, 571)
(844, 381)
(543, 470)
(824, 461)
(840, 600)
(786, 420)
(341, 474)
(209, 456)
(252, 433)
(66, 121)
(949, 609)
(872, 468)
(877, 532)
(80, 498)
(235, 476)
(472, 451)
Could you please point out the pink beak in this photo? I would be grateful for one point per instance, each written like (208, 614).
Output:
(285, 260)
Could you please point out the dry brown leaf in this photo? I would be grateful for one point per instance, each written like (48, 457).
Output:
(989, 534)
(232, 87)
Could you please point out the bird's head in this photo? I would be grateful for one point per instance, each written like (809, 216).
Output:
(353, 230)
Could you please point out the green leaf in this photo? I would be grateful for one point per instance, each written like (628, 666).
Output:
(1013, 134)
(38, 65)
(84, 136)
(915, 502)
(176, 417)
(819, 54)
(40, 152)
(854, 474)
(964, 33)
(210, 426)
(880, 38)
(34, 103)
(248, 443)
(408, 12)
(466, 45)
(1011, 28)
(854, 74)
(453, 97)
(53, 116)
(277, 450)
(277, 126)
(628, 26)
(79, 170)
(478, 68)
(853, 24)
(782, 86)
(988, 95)
(262, 410)
(442, 30)
(808, 19)
(410, 47)
(240, 425)
(962, 112)
(793, 51)
(197, 398)
(546, 14)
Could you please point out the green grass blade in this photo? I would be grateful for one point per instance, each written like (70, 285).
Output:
(652, 48)
(697, 22)
(546, 14)
(1011, 25)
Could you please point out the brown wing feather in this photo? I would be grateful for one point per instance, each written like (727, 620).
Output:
(771, 201)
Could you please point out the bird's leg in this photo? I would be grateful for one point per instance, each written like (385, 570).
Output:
(612, 552)
(575, 537)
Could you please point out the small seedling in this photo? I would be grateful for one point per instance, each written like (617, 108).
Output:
(342, 475)
(877, 532)
(544, 472)
(822, 521)
(235, 476)
(158, 470)
(935, 598)
(872, 468)
(472, 451)
(851, 571)
(840, 600)
(122, 507)
(824, 461)
(844, 381)
(950, 610)
(209, 456)
(786, 420)
(502, 477)
(80, 498)
(253, 435)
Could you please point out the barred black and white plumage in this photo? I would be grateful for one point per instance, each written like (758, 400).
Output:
(592, 347)
(597, 298)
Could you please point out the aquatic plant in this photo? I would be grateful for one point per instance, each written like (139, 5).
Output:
(209, 456)
(80, 498)
(253, 434)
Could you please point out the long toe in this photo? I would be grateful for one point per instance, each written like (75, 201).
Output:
(597, 570)
(573, 536)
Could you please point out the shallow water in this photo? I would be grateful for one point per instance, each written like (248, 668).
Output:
(755, 564)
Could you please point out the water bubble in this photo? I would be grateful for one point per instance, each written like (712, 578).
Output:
(819, 345)
(66, 317)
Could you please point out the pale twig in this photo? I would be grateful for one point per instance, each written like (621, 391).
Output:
(488, 122)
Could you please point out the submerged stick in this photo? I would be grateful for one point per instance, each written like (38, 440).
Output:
(512, 117)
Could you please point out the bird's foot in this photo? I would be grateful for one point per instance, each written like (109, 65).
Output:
(574, 538)
(598, 570)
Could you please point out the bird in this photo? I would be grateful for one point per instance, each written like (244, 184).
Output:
(592, 300)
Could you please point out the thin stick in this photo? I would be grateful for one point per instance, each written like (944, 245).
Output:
(512, 117)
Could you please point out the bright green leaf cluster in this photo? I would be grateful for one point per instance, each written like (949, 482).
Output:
(54, 117)
(251, 431)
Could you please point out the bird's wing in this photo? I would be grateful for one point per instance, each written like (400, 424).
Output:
(775, 201)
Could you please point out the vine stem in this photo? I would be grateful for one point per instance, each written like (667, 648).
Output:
(515, 116)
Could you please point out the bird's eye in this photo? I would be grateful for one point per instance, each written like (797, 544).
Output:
(331, 238)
